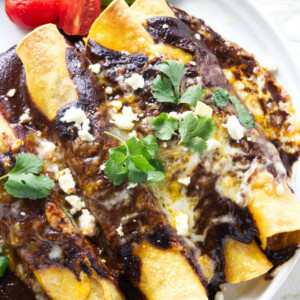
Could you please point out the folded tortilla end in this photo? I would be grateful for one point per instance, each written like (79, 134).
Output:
(49, 83)
(166, 274)
(244, 261)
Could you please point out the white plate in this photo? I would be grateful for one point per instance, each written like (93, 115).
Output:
(239, 21)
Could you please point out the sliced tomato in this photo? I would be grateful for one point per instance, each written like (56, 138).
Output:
(77, 16)
(32, 13)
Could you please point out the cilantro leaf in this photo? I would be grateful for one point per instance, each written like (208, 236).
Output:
(196, 144)
(187, 126)
(22, 181)
(69, 215)
(114, 171)
(155, 176)
(134, 160)
(150, 146)
(167, 88)
(163, 91)
(175, 72)
(220, 98)
(195, 131)
(27, 163)
(165, 126)
(4, 262)
(135, 175)
(134, 146)
(192, 95)
(29, 186)
(244, 116)
(157, 164)
(205, 128)
(141, 163)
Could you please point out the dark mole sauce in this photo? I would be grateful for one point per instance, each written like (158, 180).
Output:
(12, 288)
(212, 205)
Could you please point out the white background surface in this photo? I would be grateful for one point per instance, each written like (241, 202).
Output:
(285, 14)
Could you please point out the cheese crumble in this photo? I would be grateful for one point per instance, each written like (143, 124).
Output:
(76, 203)
(212, 145)
(116, 105)
(182, 224)
(108, 90)
(120, 230)
(55, 253)
(198, 36)
(184, 181)
(82, 123)
(66, 181)
(11, 93)
(25, 117)
(48, 147)
(87, 223)
(234, 128)
(136, 81)
(95, 68)
(203, 110)
(125, 120)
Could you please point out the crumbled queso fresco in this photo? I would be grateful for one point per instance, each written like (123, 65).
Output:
(25, 117)
(66, 181)
(234, 128)
(76, 203)
(82, 123)
(87, 223)
(182, 225)
(125, 119)
(136, 81)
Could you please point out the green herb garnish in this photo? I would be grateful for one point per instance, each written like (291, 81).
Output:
(243, 114)
(221, 97)
(23, 181)
(165, 126)
(135, 161)
(166, 87)
(69, 215)
(4, 262)
(193, 131)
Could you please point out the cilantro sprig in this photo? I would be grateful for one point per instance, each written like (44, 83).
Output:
(221, 97)
(134, 160)
(165, 126)
(69, 215)
(166, 87)
(4, 262)
(23, 181)
(193, 131)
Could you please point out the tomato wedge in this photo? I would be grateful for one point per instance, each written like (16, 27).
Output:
(77, 16)
(32, 13)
